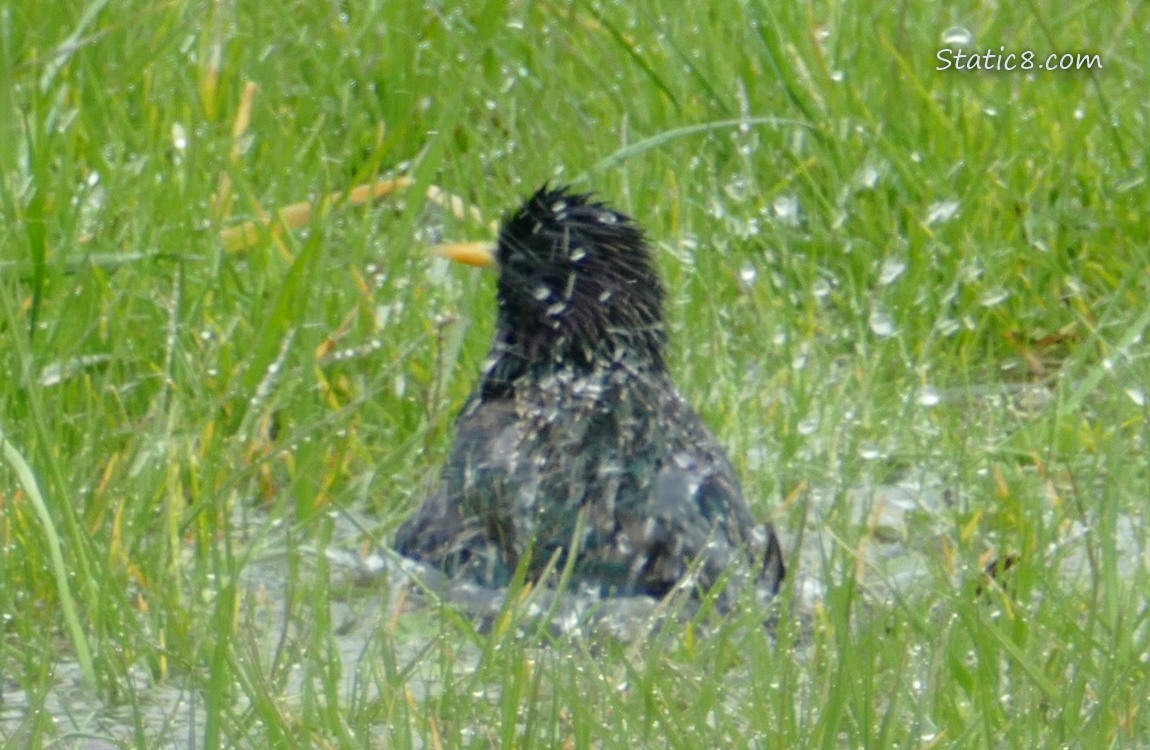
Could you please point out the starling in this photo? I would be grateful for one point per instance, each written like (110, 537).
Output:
(576, 429)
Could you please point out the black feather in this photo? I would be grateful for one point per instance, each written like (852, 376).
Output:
(576, 412)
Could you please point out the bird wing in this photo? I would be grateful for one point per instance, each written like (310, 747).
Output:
(453, 530)
(680, 517)
(691, 520)
(661, 507)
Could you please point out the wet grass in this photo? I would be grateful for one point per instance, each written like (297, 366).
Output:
(880, 273)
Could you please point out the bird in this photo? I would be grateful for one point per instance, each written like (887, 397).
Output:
(575, 449)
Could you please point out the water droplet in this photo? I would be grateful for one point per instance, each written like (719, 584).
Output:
(179, 137)
(881, 324)
(867, 177)
(578, 253)
(569, 290)
(941, 212)
(786, 208)
(716, 208)
(993, 296)
(821, 288)
(541, 292)
(957, 36)
(1137, 395)
(837, 76)
(748, 273)
(606, 217)
(929, 396)
(970, 273)
(892, 268)
(807, 426)
(736, 189)
(868, 451)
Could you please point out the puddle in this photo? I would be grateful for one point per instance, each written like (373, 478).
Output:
(896, 552)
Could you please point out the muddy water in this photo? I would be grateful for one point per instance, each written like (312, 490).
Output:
(898, 555)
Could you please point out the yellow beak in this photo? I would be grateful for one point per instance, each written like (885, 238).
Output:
(478, 254)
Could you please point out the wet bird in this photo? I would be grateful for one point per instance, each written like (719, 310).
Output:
(576, 440)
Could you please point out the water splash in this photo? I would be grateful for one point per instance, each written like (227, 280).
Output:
(996, 295)
(892, 268)
(941, 212)
(957, 36)
(929, 396)
(881, 324)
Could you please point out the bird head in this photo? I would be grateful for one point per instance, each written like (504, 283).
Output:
(577, 287)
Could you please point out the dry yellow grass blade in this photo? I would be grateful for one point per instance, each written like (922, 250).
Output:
(224, 198)
(296, 215)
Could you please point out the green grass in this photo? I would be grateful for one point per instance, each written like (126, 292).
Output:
(844, 231)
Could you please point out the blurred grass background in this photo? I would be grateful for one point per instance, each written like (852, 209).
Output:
(877, 271)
